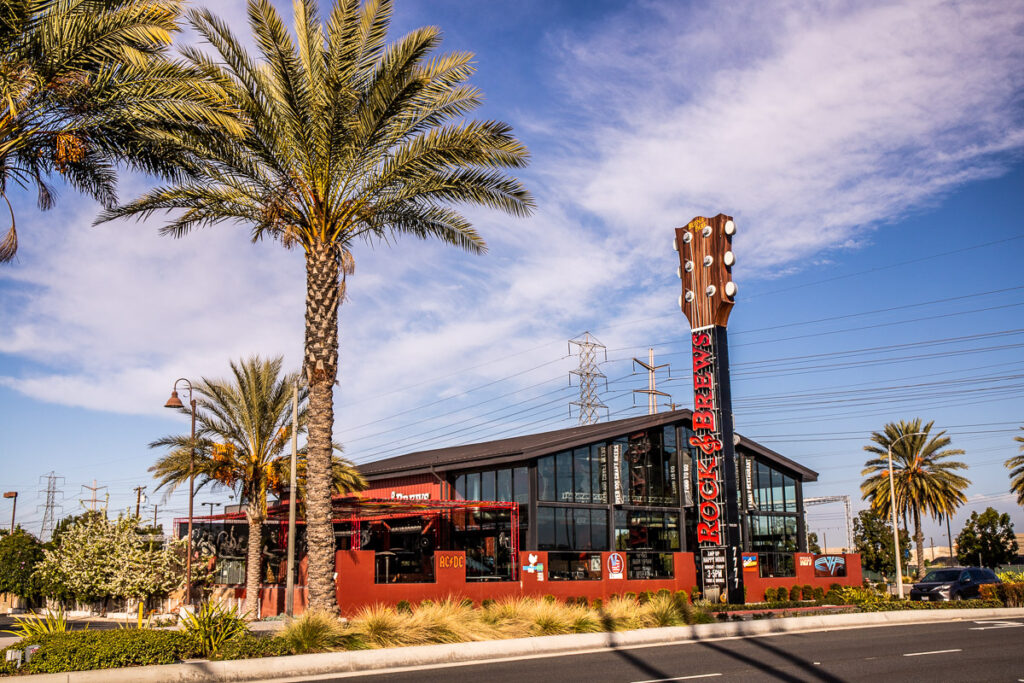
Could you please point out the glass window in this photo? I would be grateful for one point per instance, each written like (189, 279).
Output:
(487, 486)
(599, 529)
(504, 486)
(473, 486)
(520, 485)
(563, 477)
(546, 478)
(545, 527)
(778, 500)
(574, 566)
(581, 518)
(581, 475)
(635, 530)
(599, 473)
(636, 460)
(563, 530)
(460, 487)
(790, 485)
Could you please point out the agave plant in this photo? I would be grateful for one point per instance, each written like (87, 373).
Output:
(212, 625)
(30, 625)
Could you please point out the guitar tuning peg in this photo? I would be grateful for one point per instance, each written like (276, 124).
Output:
(675, 244)
(689, 266)
(730, 289)
(679, 272)
(710, 291)
(706, 231)
(708, 260)
(730, 228)
(687, 237)
(728, 258)
(689, 297)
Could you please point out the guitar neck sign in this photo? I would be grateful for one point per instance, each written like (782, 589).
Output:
(707, 439)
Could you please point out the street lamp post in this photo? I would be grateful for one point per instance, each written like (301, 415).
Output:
(175, 402)
(895, 529)
(14, 505)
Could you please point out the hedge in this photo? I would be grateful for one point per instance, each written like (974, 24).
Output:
(86, 650)
(1010, 594)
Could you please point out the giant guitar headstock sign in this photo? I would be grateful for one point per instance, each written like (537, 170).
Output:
(705, 269)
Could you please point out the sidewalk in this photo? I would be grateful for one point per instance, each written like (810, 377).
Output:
(297, 666)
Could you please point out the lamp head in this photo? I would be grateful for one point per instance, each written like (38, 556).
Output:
(174, 401)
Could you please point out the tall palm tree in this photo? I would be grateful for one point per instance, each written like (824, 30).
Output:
(924, 479)
(243, 425)
(349, 139)
(1016, 467)
(87, 85)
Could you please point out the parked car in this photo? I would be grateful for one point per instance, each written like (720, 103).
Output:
(953, 583)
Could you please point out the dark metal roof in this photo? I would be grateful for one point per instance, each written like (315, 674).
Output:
(519, 448)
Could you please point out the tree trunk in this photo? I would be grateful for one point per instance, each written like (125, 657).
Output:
(919, 542)
(321, 367)
(253, 565)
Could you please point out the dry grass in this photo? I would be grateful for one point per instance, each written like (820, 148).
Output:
(314, 631)
(453, 621)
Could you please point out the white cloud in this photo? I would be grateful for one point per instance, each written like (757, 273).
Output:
(809, 124)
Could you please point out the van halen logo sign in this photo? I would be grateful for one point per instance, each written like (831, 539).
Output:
(707, 439)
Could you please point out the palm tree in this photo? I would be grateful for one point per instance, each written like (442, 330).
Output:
(924, 480)
(1016, 467)
(349, 139)
(243, 425)
(87, 85)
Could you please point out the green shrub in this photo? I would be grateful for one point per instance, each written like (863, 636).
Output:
(833, 597)
(252, 646)
(487, 602)
(818, 594)
(86, 650)
(835, 586)
(212, 625)
(644, 597)
(630, 595)
(694, 594)
(664, 592)
(806, 592)
(597, 604)
(794, 593)
(681, 598)
(1009, 594)
(427, 602)
(549, 598)
(404, 606)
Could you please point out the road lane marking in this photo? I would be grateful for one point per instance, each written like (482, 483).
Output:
(678, 678)
(932, 652)
(996, 624)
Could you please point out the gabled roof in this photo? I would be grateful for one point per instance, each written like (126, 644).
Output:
(519, 448)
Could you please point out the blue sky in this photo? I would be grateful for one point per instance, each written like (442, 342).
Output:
(870, 152)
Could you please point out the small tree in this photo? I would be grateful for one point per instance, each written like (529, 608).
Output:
(988, 535)
(812, 543)
(872, 537)
(20, 552)
(98, 559)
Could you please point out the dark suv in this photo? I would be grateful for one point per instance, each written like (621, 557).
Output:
(953, 583)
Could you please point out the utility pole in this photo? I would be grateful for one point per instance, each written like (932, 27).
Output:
(652, 388)
(14, 505)
(588, 374)
(949, 537)
(51, 505)
(155, 507)
(138, 499)
(92, 501)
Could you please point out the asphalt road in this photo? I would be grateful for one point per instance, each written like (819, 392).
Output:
(951, 651)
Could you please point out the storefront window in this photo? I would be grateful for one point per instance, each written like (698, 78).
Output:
(578, 476)
(546, 478)
(566, 528)
(473, 486)
(569, 566)
(487, 490)
(640, 529)
(504, 485)
(520, 485)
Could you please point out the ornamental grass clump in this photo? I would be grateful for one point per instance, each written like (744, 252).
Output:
(30, 626)
(314, 631)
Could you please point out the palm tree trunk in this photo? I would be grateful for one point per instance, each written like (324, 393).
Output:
(919, 542)
(321, 366)
(253, 564)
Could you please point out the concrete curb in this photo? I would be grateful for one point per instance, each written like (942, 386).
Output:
(368, 660)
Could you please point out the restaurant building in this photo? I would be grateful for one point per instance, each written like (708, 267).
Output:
(587, 511)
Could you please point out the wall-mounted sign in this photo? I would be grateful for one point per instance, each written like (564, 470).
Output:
(534, 567)
(398, 495)
(750, 562)
(829, 565)
(451, 562)
(748, 481)
(615, 566)
(805, 561)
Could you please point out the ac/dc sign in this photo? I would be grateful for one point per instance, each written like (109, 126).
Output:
(707, 439)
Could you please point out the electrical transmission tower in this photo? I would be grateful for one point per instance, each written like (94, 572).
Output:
(845, 500)
(588, 374)
(652, 386)
(51, 505)
(92, 501)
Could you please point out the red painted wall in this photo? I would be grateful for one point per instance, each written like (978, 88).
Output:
(397, 488)
(356, 587)
(755, 585)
